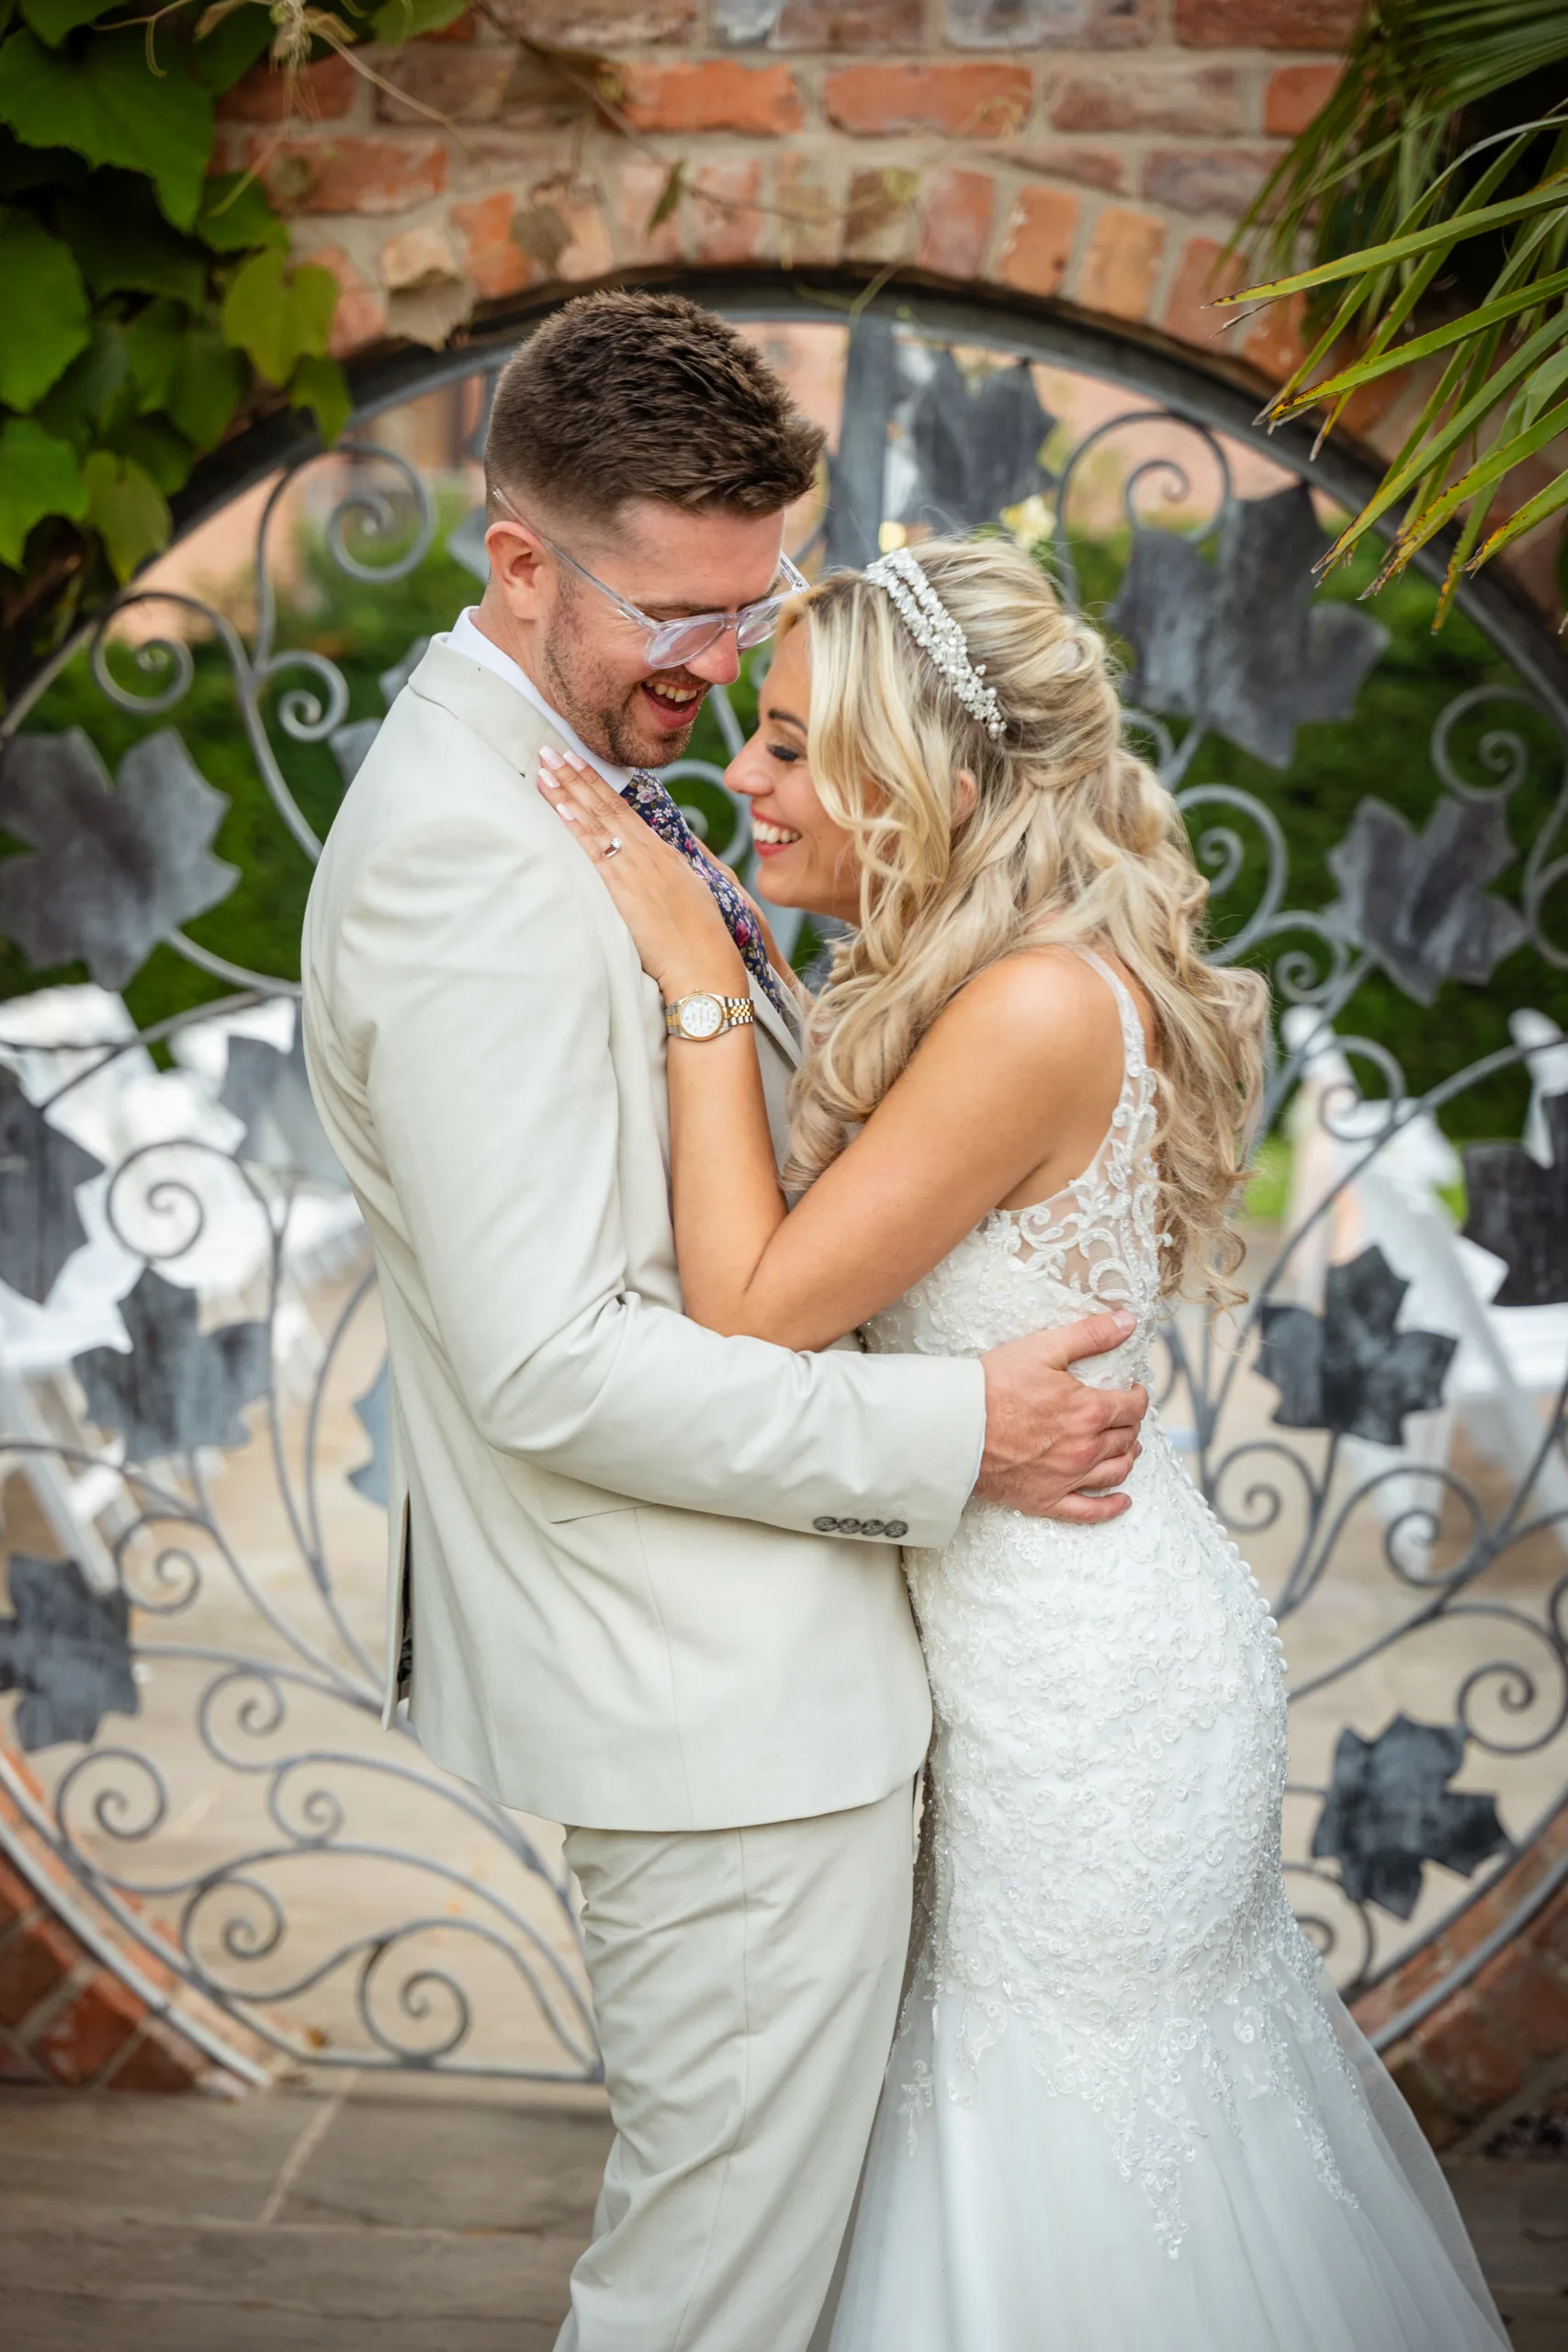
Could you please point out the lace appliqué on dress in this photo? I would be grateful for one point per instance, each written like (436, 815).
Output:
(1102, 1872)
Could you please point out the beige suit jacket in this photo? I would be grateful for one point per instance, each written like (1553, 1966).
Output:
(647, 1589)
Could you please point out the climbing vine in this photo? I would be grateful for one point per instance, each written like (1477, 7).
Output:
(150, 306)
(147, 304)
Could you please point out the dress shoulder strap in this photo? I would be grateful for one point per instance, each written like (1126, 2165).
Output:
(1133, 1057)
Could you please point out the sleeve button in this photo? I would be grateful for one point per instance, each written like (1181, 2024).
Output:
(826, 1526)
(897, 1528)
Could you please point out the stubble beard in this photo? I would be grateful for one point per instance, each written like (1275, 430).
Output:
(588, 704)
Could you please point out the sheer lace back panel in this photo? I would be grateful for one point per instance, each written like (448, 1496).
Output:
(1095, 1244)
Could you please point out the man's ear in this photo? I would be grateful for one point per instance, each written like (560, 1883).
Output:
(515, 562)
(965, 792)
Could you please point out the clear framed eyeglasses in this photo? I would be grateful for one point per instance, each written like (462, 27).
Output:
(667, 644)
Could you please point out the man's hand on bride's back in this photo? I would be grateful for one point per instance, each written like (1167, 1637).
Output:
(1053, 1446)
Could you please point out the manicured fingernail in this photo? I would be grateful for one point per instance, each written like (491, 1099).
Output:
(547, 751)
(562, 810)
(1126, 1322)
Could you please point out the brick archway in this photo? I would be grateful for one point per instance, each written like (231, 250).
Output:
(1095, 150)
(1474, 2027)
(1084, 157)
(83, 2004)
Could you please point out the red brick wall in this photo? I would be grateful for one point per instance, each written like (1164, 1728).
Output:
(1099, 149)
(73, 2010)
(1498, 2044)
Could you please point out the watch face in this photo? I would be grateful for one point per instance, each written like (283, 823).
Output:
(700, 1016)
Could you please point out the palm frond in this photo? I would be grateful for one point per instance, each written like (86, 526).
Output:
(1391, 125)
(1422, 217)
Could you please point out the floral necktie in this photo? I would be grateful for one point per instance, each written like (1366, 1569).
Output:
(653, 805)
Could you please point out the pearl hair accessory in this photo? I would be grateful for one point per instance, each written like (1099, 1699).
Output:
(934, 629)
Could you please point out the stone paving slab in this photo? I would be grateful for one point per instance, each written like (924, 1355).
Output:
(182, 2155)
(388, 2215)
(416, 2278)
(352, 2217)
(66, 2324)
(387, 2164)
(1517, 2217)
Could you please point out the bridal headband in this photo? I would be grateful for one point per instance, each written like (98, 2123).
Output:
(934, 629)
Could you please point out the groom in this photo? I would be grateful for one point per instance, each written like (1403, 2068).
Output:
(645, 1580)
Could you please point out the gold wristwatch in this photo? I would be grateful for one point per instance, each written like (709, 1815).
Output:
(697, 1018)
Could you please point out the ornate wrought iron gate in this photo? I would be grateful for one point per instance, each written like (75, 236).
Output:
(192, 1640)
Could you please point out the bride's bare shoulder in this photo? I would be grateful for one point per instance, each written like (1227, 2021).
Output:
(1052, 1005)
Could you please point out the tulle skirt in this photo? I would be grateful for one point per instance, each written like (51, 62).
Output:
(1320, 2223)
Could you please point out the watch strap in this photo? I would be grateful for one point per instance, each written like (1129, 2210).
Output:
(739, 1013)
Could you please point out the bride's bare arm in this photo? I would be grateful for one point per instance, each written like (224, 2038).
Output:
(1013, 1085)
(965, 1125)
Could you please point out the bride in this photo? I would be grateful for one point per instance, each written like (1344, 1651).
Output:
(1124, 2112)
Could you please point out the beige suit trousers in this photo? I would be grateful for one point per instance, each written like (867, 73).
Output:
(745, 1983)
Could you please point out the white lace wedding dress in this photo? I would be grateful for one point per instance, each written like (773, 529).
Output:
(1124, 2112)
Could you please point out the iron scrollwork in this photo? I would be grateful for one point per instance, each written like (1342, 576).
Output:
(1341, 1430)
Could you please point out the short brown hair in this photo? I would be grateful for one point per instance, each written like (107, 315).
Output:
(625, 394)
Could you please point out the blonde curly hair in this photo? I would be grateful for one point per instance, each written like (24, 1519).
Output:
(1071, 840)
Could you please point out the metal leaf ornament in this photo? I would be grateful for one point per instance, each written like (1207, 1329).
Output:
(978, 450)
(113, 869)
(272, 1093)
(67, 1649)
(40, 1171)
(1389, 1811)
(180, 1387)
(1240, 644)
(1518, 1210)
(1347, 1369)
(1418, 902)
(371, 1411)
(350, 743)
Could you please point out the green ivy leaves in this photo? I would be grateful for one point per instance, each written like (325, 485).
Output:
(105, 104)
(235, 215)
(39, 476)
(52, 20)
(47, 303)
(278, 315)
(281, 319)
(145, 300)
(125, 246)
(127, 508)
(319, 385)
(207, 384)
(402, 19)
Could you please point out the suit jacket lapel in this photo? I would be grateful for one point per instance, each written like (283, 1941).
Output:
(513, 726)
(782, 1033)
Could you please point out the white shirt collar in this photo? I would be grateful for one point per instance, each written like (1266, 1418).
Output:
(466, 637)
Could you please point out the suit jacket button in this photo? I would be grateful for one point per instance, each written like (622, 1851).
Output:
(873, 1527)
(850, 1527)
(897, 1528)
(826, 1526)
